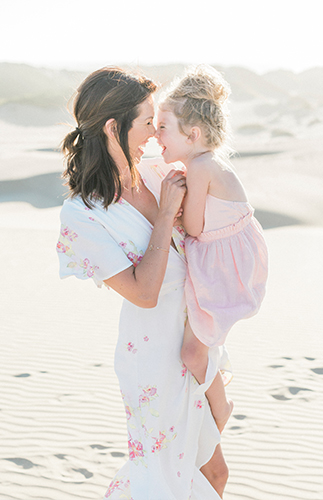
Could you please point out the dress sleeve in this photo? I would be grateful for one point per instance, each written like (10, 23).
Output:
(86, 249)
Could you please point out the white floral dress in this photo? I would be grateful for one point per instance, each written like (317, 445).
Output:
(171, 432)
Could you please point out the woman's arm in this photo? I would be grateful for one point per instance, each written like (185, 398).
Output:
(141, 285)
(197, 182)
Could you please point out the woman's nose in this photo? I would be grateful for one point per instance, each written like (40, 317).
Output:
(156, 133)
(152, 131)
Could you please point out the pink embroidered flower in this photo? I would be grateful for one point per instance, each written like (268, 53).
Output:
(159, 443)
(146, 338)
(86, 208)
(135, 449)
(88, 269)
(130, 346)
(179, 474)
(143, 399)
(91, 218)
(147, 395)
(122, 244)
(198, 404)
(180, 229)
(114, 485)
(172, 429)
(150, 391)
(135, 259)
(184, 370)
(180, 456)
(128, 412)
(68, 233)
(62, 248)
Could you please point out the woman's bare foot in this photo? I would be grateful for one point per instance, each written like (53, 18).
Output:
(223, 416)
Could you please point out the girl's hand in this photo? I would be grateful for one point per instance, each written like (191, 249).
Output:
(173, 190)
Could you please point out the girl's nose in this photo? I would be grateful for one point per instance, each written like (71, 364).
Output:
(156, 133)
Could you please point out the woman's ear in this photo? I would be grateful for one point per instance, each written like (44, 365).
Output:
(194, 135)
(110, 128)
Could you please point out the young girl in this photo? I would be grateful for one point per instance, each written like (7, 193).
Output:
(226, 252)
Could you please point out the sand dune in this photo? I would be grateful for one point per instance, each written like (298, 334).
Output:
(62, 425)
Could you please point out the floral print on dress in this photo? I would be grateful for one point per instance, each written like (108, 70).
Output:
(131, 251)
(68, 233)
(157, 169)
(198, 404)
(64, 245)
(120, 201)
(178, 236)
(88, 270)
(119, 483)
(130, 347)
(184, 369)
(114, 485)
(147, 395)
(161, 442)
(136, 451)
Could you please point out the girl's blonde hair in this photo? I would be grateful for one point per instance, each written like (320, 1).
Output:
(199, 98)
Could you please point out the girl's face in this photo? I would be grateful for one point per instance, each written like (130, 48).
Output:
(142, 128)
(169, 137)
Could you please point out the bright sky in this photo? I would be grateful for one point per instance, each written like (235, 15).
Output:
(258, 34)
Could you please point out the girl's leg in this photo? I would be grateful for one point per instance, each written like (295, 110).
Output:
(195, 357)
(216, 471)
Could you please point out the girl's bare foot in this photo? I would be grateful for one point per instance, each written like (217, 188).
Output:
(223, 416)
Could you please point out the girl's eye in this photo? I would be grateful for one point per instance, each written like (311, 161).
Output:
(149, 123)
(162, 126)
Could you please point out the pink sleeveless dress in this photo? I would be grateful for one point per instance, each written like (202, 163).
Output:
(227, 270)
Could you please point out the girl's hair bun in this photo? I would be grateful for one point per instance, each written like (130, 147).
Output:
(203, 82)
(199, 98)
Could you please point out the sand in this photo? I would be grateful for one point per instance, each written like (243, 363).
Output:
(62, 424)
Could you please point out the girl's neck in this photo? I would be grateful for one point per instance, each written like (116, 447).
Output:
(196, 156)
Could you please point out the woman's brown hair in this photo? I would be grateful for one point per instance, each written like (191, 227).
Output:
(105, 94)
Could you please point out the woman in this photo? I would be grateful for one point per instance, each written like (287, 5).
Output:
(117, 228)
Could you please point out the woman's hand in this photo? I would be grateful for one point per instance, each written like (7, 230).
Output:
(173, 190)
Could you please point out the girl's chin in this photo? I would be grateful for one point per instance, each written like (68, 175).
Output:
(166, 156)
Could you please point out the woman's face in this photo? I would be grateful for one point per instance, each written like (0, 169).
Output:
(142, 128)
(170, 138)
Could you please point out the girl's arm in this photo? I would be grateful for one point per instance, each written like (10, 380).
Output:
(141, 285)
(197, 183)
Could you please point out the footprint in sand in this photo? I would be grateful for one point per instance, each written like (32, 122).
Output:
(280, 397)
(85, 472)
(22, 375)
(240, 417)
(319, 371)
(296, 390)
(22, 462)
(98, 447)
(117, 454)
